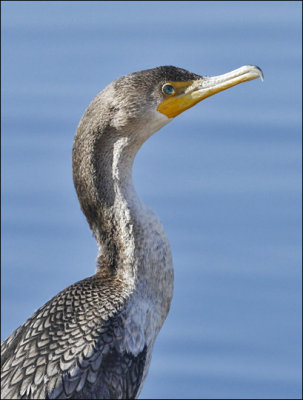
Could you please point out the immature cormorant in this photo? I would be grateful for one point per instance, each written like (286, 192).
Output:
(94, 339)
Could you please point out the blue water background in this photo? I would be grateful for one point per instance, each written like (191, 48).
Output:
(224, 177)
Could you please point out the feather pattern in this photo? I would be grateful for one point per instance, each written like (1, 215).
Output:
(74, 368)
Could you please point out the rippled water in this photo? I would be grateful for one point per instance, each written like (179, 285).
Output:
(224, 177)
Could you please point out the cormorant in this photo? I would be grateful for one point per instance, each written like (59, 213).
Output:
(94, 339)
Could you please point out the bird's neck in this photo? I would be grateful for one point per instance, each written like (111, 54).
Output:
(119, 224)
(133, 246)
(102, 168)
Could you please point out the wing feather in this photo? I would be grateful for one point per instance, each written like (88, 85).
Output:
(71, 348)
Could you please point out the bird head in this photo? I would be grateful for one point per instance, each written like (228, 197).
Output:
(145, 101)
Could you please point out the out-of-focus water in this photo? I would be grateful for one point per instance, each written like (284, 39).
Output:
(225, 178)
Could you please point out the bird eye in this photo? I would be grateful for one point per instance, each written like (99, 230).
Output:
(168, 89)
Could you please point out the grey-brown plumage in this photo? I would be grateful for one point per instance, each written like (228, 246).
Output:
(75, 346)
(94, 339)
(70, 348)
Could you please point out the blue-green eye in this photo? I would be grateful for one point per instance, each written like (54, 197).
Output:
(168, 89)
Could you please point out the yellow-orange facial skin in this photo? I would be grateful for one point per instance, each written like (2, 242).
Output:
(178, 102)
(187, 94)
